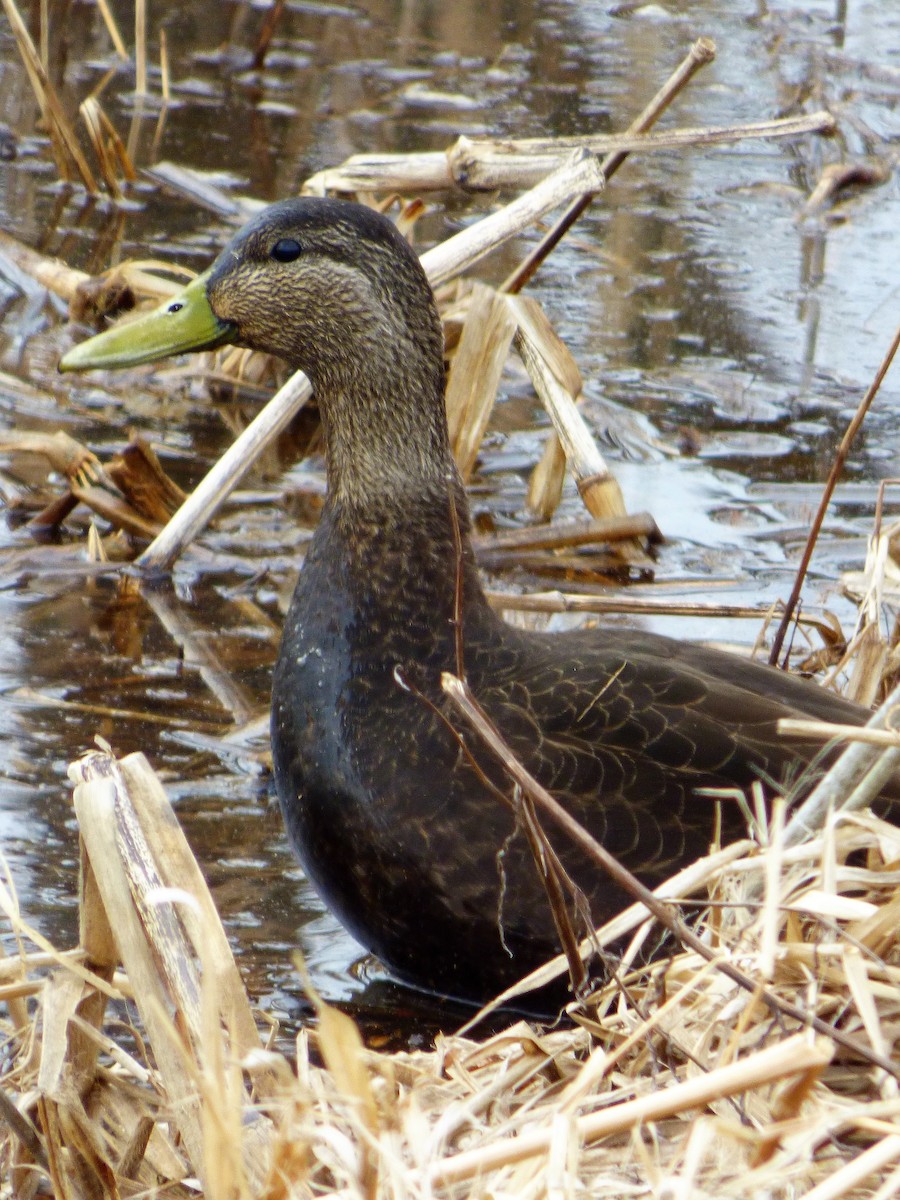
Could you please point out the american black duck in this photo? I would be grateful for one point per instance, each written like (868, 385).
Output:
(392, 823)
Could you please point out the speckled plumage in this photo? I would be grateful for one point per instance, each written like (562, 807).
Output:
(391, 822)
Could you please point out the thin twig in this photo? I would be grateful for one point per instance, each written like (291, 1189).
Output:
(827, 492)
(702, 52)
(885, 739)
(266, 32)
(552, 874)
(457, 585)
(574, 602)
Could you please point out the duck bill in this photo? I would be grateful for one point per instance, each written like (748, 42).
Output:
(185, 322)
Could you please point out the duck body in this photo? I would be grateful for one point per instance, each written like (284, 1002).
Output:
(423, 864)
(391, 805)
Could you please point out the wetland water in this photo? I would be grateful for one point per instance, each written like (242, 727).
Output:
(724, 342)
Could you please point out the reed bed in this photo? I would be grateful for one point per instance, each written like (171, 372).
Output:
(132, 1063)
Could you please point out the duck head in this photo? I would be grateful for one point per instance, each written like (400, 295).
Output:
(333, 288)
(330, 286)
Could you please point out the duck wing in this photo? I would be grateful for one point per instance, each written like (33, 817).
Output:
(629, 733)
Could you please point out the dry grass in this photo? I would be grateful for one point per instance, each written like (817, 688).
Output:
(674, 1083)
(63, 140)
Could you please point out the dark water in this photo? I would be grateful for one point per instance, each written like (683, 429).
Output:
(703, 311)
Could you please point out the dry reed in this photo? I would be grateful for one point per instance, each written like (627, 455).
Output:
(672, 1083)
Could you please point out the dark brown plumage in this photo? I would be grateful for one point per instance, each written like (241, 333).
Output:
(416, 856)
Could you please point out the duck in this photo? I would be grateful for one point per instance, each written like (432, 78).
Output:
(404, 822)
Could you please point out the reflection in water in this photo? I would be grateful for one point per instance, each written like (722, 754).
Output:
(704, 317)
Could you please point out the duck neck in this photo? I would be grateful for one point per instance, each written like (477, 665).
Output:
(396, 505)
(386, 437)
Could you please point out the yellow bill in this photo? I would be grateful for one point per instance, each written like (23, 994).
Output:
(184, 322)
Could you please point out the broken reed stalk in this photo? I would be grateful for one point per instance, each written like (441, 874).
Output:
(834, 474)
(567, 534)
(482, 164)
(467, 705)
(172, 945)
(475, 371)
(486, 164)
(557, 381)
(702, 52)
(581, 173)
(63, 281)
(599, 489)
(575, 602)
(221, 480)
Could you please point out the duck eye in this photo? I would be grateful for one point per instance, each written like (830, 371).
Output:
(286, 250)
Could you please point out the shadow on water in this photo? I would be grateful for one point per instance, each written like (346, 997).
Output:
(722, 342)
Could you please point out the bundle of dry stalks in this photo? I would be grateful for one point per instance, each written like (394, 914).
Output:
(672, 1082)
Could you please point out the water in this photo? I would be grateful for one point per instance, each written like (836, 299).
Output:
(724, 340)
